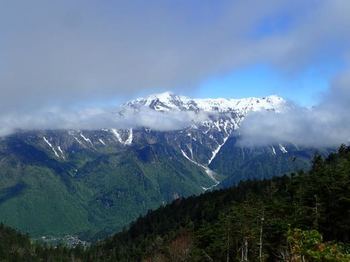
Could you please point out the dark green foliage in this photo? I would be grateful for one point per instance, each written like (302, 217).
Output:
(11, 191)
(299, 216)
(90, 192)
(238, 163)
(308, 245)
(223, 223)
(15, 246)
(97, 189)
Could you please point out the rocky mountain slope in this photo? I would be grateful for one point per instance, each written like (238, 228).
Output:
(84, 182)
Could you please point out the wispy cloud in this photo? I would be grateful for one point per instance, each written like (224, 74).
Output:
(66, 53)
(97, 118)
(326, 124)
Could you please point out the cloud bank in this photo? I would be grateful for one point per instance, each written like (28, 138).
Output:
(67, 52)
(70, 52)
(324, 125)
(97, 118)
(59, 56)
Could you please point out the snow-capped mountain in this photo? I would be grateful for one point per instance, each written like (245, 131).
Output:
(203, 140)
(222, 115)
(106, 178)
(199, 142)
(168, 101)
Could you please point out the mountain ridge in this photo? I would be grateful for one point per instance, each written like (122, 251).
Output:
(172, 101)
(97, 181)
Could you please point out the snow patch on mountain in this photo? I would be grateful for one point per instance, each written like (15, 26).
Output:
(51, 146)
(216, 151)
(224, 115)
(86, 139)
(208, 171)
(77, 139)
(283, 149)
(273, 150)
(117, 135)
(168, 101)
(61, 151)
(129, 139)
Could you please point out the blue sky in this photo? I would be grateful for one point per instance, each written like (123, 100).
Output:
(305, 88)
(71, 54)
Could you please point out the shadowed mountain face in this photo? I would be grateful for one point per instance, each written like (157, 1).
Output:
(83, 182)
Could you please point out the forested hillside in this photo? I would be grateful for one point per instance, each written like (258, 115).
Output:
(15, 246)
(301, 217)
(284, 216)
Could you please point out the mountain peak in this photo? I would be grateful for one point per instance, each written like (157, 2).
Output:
(165, 101)
(163, 96)
(168, 101)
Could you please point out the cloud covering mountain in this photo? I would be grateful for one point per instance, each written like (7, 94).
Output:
(326, 124)
(68, 52)
(56, 57)
(99, 118)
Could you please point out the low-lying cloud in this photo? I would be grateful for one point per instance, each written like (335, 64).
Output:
(57, 55)
(67, 52)
(71, 52)
(324, 125)
(97, 118)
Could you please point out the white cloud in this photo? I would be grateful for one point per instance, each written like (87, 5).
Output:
(66, 53)
(97, 118)
(326, 124)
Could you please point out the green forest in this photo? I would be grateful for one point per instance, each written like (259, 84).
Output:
(303, 216)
